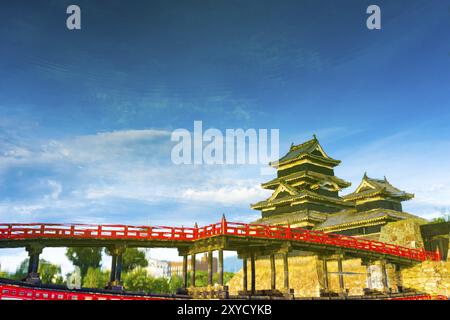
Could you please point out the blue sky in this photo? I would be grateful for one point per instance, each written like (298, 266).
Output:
(86, 116)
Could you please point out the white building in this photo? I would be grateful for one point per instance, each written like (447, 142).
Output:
(157, 268)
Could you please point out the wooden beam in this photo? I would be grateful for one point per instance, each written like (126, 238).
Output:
(210, 268)
(384, 276)
(244, 274)
(341, 274)
(273, 273)
(193, 270)
(253, 273)
(185, 273)
(286, 270)
(326, 286)
(220, 267)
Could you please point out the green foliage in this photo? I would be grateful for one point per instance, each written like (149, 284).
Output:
(138, 280)
(227, 277)
(132, 258)
(95, 278)
(444, 218)
(4, 274)
(201, 278)
(175, 282)
(84, 258)
(160, 285)
(50, 273)
(21, 271)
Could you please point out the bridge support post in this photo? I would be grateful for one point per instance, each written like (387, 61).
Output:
(369, 276)
(286, 271)
(210, 268)
(326, 287)
(185, 274)
(244, 275)
(253, 275)
(398, 276)
(273, 274)
(193, 270)
(33, 264)
(220, 267)
(367, 262)
(341, 275)
(112, 275)
(384, 276)
(115, 277)
(119, 266)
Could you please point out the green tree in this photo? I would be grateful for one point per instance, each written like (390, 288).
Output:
(95, 278)
(174, 283)
(50, 273)
(21, 271)
(227, 277)
(159, 285)
(132, 258)
(4, 274)
(201, 278)
(138, 280)
(444, 218)
(85, 258)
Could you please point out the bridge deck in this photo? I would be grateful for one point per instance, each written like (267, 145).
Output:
(225, 235)
(10, 289)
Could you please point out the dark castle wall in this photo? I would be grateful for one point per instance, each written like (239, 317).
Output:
(303, 206)
(380, 204)
(305, 167)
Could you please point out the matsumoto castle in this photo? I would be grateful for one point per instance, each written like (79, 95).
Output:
(306, 194)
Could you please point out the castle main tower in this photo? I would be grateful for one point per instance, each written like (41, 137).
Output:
(305, 190)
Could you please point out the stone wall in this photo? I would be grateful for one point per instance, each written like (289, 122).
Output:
(404, 233)
(303, 275)
(306, 275)
(306, 272)
(429, 277)
(355, 276)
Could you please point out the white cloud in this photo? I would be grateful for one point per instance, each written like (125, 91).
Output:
(226, 195)
(56, 189)
(17, 152)
(81, 149)
(96, 171)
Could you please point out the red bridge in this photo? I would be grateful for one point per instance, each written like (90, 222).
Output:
(248, 240)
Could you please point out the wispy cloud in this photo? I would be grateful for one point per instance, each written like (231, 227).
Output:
(87, 175)
(226, 195)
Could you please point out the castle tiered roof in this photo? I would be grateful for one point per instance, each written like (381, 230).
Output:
(371, 188)
(296, 177)
(306, 194)
(305, 181)
(310, 150)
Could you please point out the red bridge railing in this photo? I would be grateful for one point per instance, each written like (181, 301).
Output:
(14, 292)
(125, 232)
(422, 297)
(9, 292)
